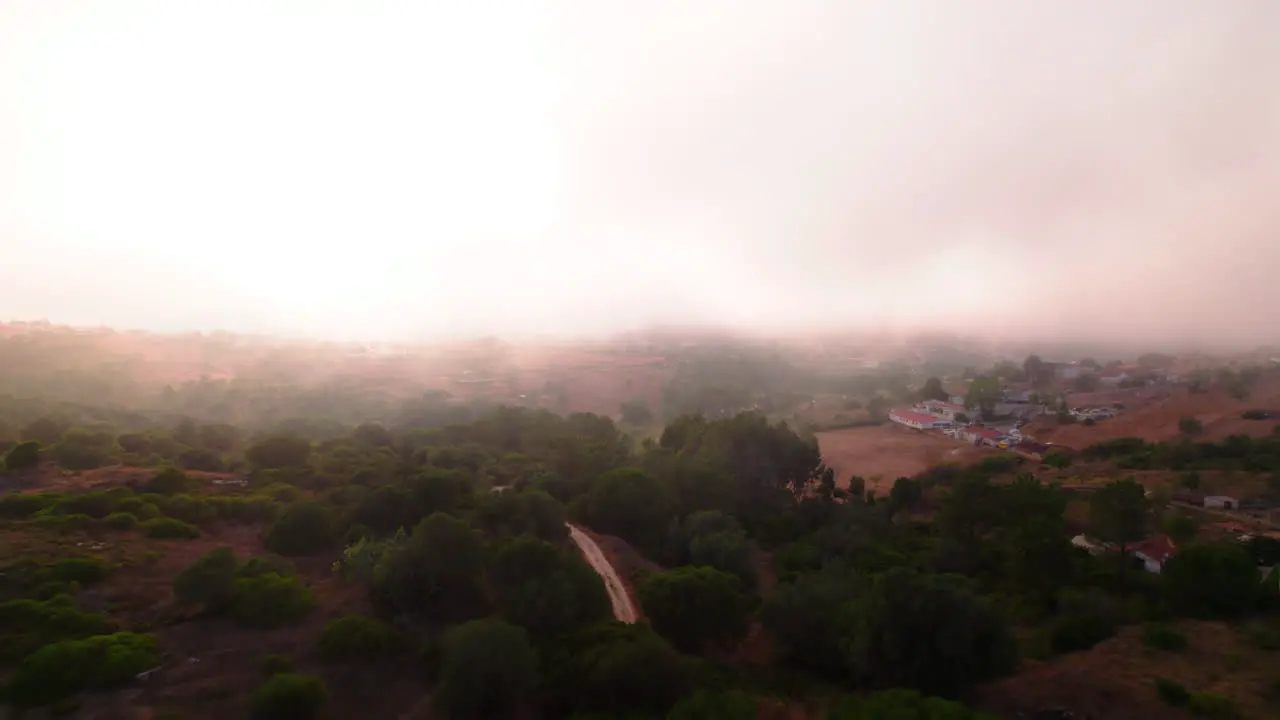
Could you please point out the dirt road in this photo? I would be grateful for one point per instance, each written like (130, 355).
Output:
(623, 609)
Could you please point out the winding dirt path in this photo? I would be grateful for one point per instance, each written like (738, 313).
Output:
(623, 609)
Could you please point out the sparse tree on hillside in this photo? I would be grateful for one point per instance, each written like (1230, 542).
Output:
(23, 455)
(636, 412)
(984, 393)
(932, 390)
(1190, 426)
(45, 431)
(1035, 370)
(279, 451)
(1119, 513)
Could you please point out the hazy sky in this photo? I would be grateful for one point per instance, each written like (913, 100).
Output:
(372, 169)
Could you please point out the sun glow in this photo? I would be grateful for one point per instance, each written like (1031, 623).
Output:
(310, 155)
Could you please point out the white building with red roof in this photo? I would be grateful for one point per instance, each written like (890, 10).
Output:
(914, 419)
(1154, 552)
(943, 409)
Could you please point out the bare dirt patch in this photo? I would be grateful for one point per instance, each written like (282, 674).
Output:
(884, 453)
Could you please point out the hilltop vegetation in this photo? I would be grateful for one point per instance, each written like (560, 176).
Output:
(321, 567)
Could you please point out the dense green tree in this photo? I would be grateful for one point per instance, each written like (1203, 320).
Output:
(289, 696)
(1033, 536)
(929, 632)
(932, 390)
(532, 512)
(438, 573)
(1190, 426)
(1118, 513)
(278, 451)
(615, 669)
(545, 589)
(304, 528)
(135, 443)
(1036, 371)
(169, 481)
(697, 606)
(984, 393)
(46, 431)
(356, 637)
(1211, 581)
(209, 581)
(489, 667)
(632, 504)
(1181, 528)
(270, 600)
(807, 620)
(636, 412)
(62, 669)
(24, 455)
(905, 494)
(83, 448)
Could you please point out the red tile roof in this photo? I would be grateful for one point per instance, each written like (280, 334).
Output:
(987, 433)
(1159, 548)
(913, 416)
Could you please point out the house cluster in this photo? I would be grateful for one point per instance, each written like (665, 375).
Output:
(1153, 552)
(952, 420)
(928, 415)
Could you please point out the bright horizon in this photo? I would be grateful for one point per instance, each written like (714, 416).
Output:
(395, 170)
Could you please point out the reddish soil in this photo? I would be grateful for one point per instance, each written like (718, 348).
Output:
(1115, 679)
(884, 453)
(1153, 415)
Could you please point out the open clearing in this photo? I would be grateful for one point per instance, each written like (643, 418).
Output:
(884, 453)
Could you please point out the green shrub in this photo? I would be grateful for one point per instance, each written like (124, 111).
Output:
(209, 581)
(281, 492)
(276, 664)
(1159, 636)
(1212, 705)
(65, 668)
(27, 624)
(66, 523)
(96, 505)
(138, 507)
(244, 509)
(121, 521)
(289, 696)
(1058, 459)
(1255, 415)
(16, 506)
(85, 571)
(169, 529)
(266, 565)
(303, 528)
(1172, 692)
(169, 481)
(270, 600)
(1265, 636)
(22, 456)
(355, 637)
(189, 509)
(1080, 632)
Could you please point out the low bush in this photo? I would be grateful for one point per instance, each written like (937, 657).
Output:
(1212, 705)
(303, 528)
(65, 668)
(1172, 692)
(209, 581)
(85, 571)
(270, 600)
(28, 624)
(276, 664)
(121, 521)
(169, 481)
(65, 523)
(1080, 632)
(17, 506)
(355, 637)
(289, 696)
(1255, 415)
(138, 507)
(169, 529)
